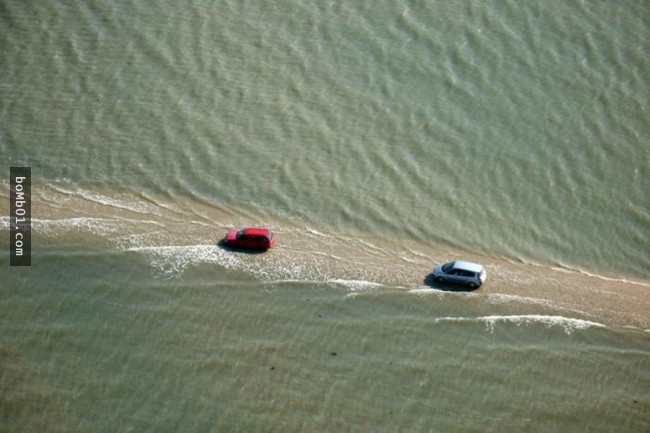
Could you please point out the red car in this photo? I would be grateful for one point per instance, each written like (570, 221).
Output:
(250, 239)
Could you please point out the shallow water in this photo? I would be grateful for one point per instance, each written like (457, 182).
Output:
(376, 139)
(218, 350)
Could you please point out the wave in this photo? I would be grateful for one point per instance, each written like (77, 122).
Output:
(605, 278)
(356, 285)
(272, 267)
(52, 227)
(171, 261)
(132, 204)
(568, 324)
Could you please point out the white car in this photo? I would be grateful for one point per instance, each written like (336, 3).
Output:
(460, 272)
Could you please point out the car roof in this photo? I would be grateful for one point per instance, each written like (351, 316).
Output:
(254, 231)
(468, 266)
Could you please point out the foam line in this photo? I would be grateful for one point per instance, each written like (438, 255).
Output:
(568, 324)
(172, 260)
(98, 226)
(133, 206)
(356, 285)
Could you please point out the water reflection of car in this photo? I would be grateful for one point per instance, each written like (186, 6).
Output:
(460, 272)
(250, 238)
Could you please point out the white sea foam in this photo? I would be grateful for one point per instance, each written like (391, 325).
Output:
(502, 298)
(569, 270)
(137, 206)
(567, 323)
(97, 226)
(427, 291)
(101, 226)
(424, 291)
(619, 280)
(356, 285)
(171, 261)
(317, 233)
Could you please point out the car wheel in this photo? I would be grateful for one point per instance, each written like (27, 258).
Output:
(472, 285)
(440, 279)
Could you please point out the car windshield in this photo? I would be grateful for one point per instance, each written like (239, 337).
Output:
(448, 266)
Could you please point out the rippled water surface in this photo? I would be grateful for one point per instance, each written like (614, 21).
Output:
(376, 139)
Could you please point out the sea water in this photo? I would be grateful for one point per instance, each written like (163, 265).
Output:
(376, 139)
